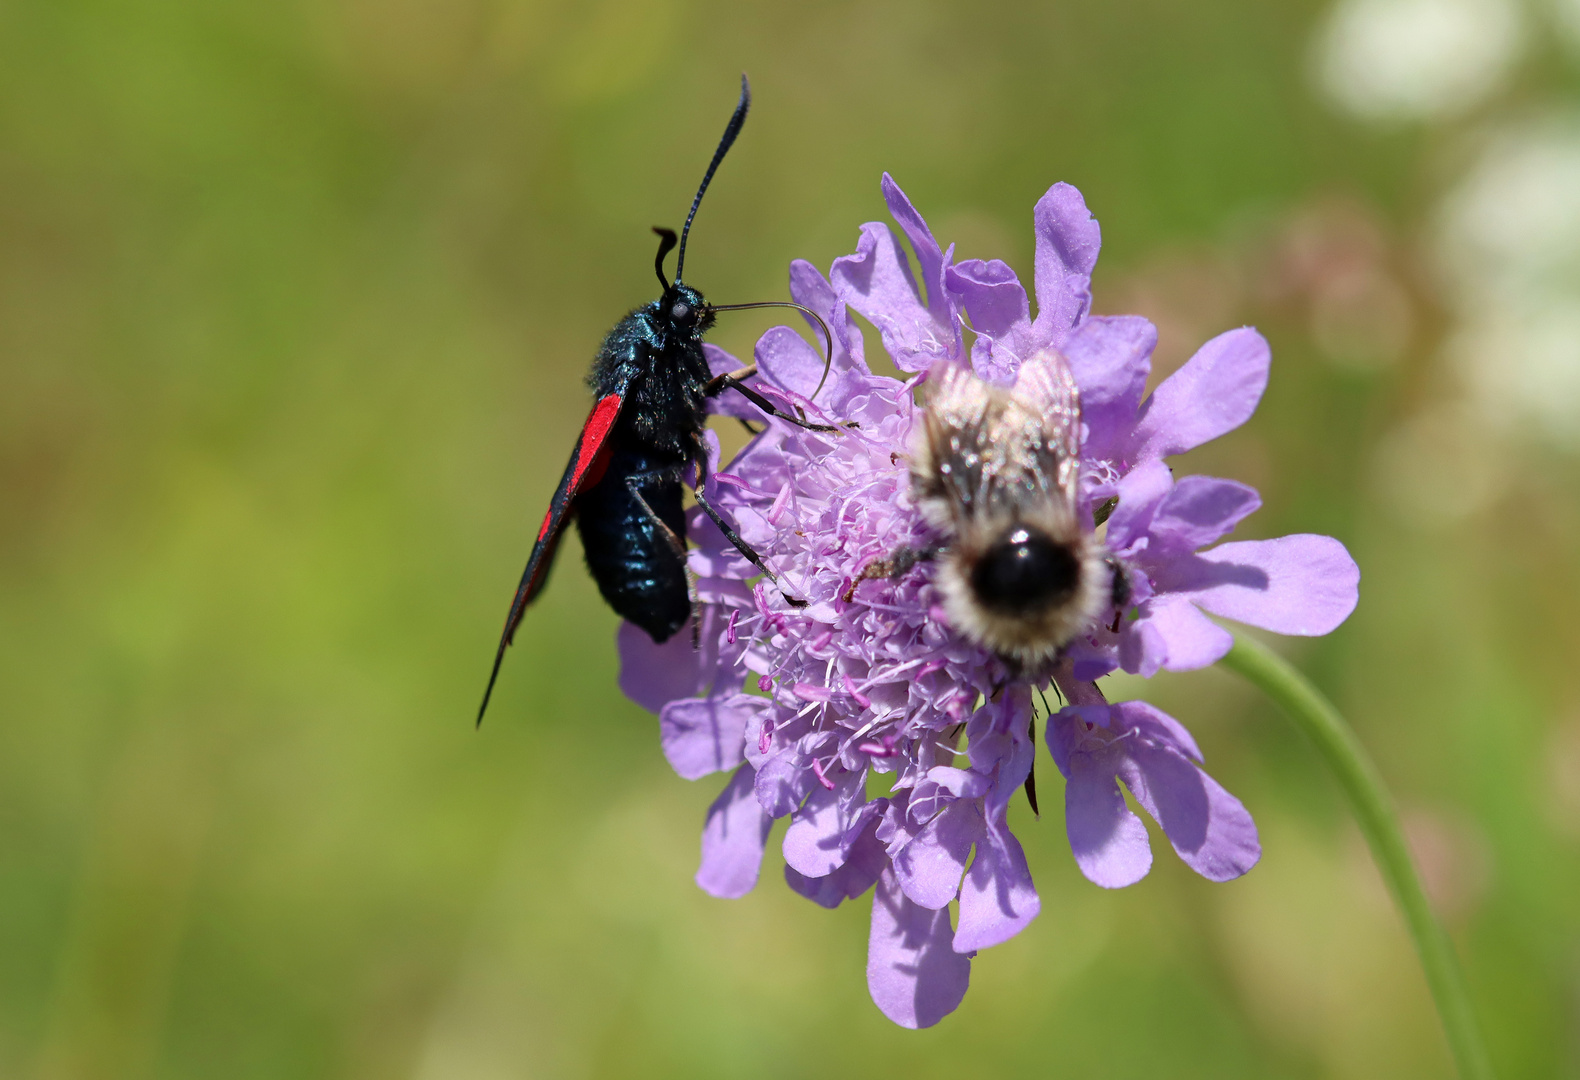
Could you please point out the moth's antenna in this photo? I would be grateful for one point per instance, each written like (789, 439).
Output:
(828, 338)
(732, 129)
(666, 241)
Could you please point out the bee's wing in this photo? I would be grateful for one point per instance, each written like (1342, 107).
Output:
(1050, 435)
(957, 460)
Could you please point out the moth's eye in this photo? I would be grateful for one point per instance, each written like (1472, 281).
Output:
(681, 312)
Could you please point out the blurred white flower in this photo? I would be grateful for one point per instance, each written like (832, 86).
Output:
(1508, 246)
(1416, 59)
(1568, 12)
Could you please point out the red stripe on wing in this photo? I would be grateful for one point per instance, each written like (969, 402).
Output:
(585, 469)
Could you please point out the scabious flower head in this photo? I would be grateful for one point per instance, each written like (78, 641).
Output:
(866, 683)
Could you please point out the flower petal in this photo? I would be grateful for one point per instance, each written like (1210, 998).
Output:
(722, 363)
(930, 258)
(1108, 841)
(1110, 356)
(827, 826)
(930, 865)
(997, 898)
(867, 859)
(1215, 392)
(706, 735)
(876, 281)
(1140, 492)
(1170, 633)
(1068, 239)
(782, 782)
(1302, 584)
(733, 839)
(654, 675)
(914, 975)
(1000, 315)
(1199, 511)
(785, 357)
(1209, 828)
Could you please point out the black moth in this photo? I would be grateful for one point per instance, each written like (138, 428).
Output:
(651, 383)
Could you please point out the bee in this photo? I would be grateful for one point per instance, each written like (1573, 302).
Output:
(995, 474)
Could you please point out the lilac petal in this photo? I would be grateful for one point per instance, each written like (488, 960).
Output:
(722, 363)
(705, 735)
(1068, 239)
(930, 865)
(1199, 511)
(654, 675)
(1108, 841)
(785, 357)
(867, 859)
(993, 296)
(1302, 584)
(1158, 726)
(826, 827)
(1209, 828)
(1215, 392)
(1000, 315)
(929, 256)
(809, 288)
(1172, 634)
(782, 782)
(997, 898)
(1110, 356)
(1140, 492)
(733, 839)
(876, 281)
(915, 977)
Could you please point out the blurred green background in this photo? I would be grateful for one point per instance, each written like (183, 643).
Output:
(295, 303)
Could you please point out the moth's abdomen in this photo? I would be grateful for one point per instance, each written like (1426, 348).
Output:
(637, 568)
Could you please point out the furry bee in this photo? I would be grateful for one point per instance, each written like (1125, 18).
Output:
(995, 473)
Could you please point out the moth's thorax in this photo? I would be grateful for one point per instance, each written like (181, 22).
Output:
(655, 353)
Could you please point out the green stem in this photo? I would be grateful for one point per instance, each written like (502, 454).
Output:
(1379, 821)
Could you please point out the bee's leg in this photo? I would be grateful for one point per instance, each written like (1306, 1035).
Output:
(1118, 591)
(742, 546)
(732, 381)
(895, 566)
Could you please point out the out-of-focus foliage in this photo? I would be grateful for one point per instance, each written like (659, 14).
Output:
(295, 300)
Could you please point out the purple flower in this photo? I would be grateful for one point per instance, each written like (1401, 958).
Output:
(805, 705)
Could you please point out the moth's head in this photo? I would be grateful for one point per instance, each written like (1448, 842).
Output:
(684, 310)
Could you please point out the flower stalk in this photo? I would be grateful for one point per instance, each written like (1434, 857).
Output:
(1379, 822)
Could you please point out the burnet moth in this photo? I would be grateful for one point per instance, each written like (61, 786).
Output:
(650, 382)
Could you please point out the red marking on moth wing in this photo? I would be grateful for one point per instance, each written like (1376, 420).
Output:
(594, 432)
(548, 519)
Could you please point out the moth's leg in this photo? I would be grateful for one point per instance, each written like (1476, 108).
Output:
(895, 566)
(634, 484)
(743, 547)
(637, 481)
(733, 381)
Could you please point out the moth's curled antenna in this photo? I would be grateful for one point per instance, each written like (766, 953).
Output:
(732, 129)
(828, 337)
(666, 242)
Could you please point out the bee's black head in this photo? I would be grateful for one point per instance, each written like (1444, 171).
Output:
(1025, 570)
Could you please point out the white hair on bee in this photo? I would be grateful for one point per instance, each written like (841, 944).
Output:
(995, 472)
